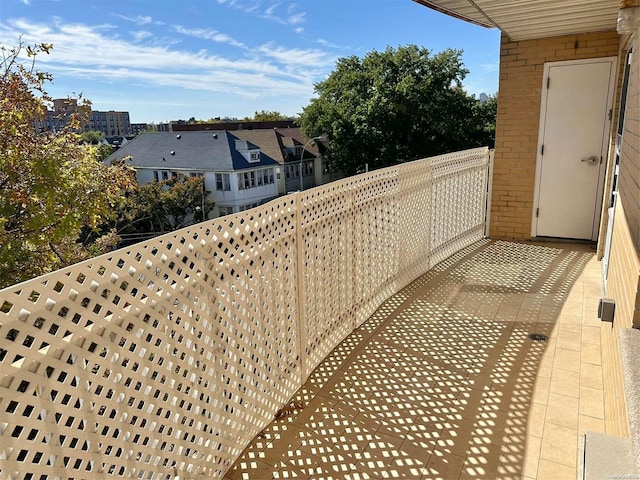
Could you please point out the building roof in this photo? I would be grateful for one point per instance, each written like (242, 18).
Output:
(525, 19)
(233, 125)
(274, 141)
(207, 151)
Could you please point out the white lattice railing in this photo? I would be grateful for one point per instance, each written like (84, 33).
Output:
(165, 359)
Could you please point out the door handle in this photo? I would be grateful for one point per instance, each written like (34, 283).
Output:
(592, 159)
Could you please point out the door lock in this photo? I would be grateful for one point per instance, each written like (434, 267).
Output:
(592, 159)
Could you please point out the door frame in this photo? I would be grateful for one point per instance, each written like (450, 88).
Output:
(604, 148)
(612, 191)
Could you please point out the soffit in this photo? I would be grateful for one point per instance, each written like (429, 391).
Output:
(528, 19)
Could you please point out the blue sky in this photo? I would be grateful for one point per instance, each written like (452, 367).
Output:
(164, 60)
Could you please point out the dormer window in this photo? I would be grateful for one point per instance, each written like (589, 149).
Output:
(254, 157)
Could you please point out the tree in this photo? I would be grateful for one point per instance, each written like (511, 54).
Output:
(51, 186)
(485, 113)
(96, 140)
(158, 207)
(266, 116)
(393, 106)
(93, 137)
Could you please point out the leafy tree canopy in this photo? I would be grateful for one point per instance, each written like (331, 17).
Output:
(395, 106)
(51, 185)
(158, 207)
(266, 116)
(95, 138)
(92, 136)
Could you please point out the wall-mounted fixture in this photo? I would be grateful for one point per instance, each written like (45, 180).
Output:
(606, 309)
(628, 19)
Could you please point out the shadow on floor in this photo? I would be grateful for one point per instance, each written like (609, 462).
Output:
(439, 383)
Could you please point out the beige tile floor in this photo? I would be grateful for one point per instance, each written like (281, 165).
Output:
(446, 381)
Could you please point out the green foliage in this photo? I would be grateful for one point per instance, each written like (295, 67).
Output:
(159, 207)
(484, 115)
(93, 137)
(266, 116)
(51, 186)
(100, 149)
(193, 120)
(395, 106)
(103, 150)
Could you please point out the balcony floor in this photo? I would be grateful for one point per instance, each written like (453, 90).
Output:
(451, 377)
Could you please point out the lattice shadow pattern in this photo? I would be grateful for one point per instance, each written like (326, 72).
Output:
(165, 359)
(438, 384)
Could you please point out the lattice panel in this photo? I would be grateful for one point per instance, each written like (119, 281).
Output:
(157, 361)
(416, 220)
(377, 236)
(163, 360)
(459, 201)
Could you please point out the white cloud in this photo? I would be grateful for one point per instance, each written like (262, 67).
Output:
(295, 56)
(138, 19)
(270, 11)
(326, 43)
(270, 70)
(26, 2)
(208, 34)
(141, 35)
(295, 18)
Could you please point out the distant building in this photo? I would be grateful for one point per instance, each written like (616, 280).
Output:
(182, 125)
(111, 123)
(150, 127)
(138, 128)
(286, 147)
(238, 173)
(116, 141)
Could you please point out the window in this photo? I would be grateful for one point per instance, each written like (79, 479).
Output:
(254, 157)
(292, 171)
(222, 181)
(156, 176)
(165, 175)
(307, 168)
(248, 206)
(225, 210)
(255, 178)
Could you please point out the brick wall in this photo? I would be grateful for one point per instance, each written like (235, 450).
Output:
(623, 282)
(622, 285)
(630, 155)
(521, 71)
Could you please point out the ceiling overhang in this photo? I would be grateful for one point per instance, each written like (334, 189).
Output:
(529, 19)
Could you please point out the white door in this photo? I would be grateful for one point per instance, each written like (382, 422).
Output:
(574, 135)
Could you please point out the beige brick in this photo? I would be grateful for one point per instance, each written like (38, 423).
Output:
(521, 71)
